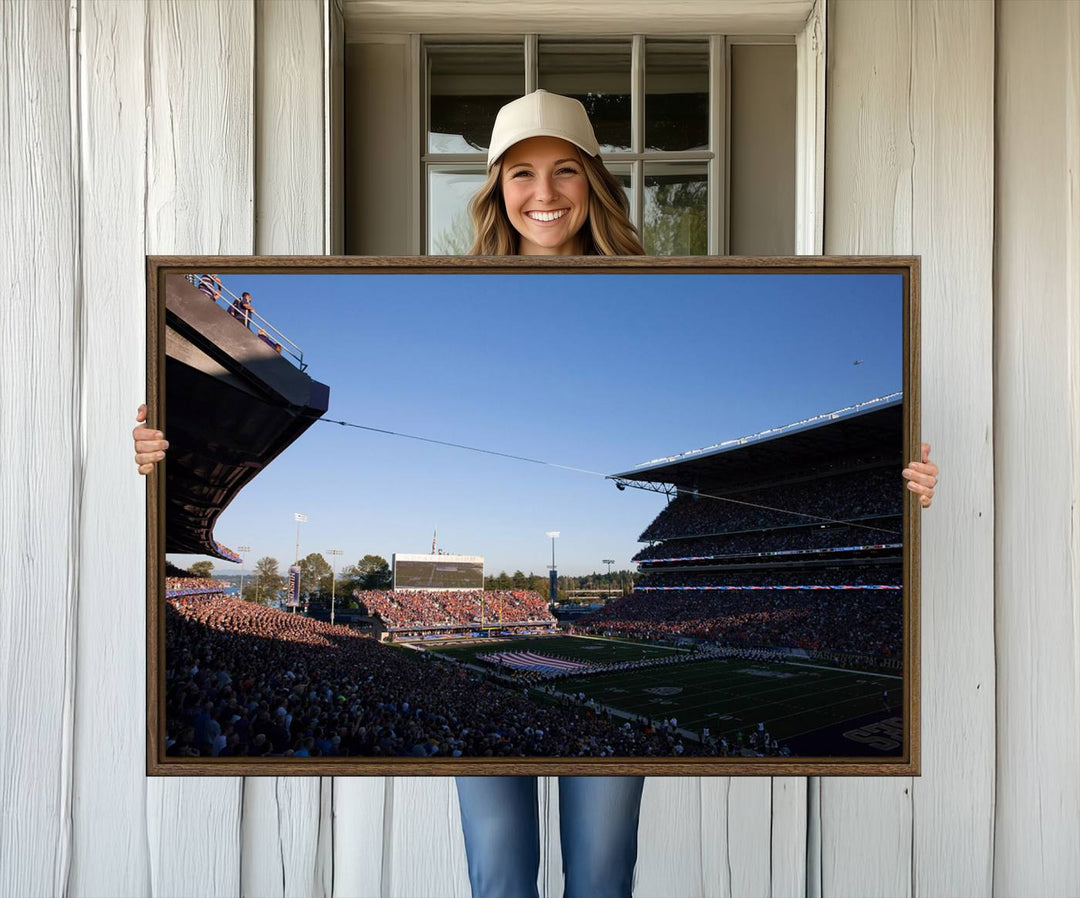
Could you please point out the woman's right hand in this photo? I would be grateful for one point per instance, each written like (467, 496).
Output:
(150, 444)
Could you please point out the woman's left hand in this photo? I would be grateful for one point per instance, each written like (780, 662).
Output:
(921, 477)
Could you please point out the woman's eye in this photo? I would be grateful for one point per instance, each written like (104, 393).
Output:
(567, 171)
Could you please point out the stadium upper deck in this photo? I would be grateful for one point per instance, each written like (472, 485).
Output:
(870, 431)
(790, 538)
(233, 405)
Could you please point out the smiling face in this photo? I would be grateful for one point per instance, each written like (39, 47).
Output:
(546, 195)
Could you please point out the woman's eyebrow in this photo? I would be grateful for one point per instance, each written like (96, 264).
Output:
(530, 165)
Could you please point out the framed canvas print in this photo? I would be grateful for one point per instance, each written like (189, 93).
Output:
(608, 515)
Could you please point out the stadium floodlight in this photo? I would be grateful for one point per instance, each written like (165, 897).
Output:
(300, 519)
(333, 553)
(242, 550)
(552, 535)
(554, 577)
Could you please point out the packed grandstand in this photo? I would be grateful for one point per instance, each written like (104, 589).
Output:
(416, 612)
(246, 680)
(790, 542)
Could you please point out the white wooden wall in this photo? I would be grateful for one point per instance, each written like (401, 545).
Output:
(136, 127)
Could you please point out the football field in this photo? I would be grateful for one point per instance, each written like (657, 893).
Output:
(792, 699)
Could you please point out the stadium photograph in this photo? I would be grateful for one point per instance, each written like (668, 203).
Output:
(430, 518)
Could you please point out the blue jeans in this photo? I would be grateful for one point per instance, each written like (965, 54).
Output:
(598, 821)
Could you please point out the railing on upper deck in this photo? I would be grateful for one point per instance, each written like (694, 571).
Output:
(213, 288)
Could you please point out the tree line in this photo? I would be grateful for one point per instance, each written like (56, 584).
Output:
(268, 583)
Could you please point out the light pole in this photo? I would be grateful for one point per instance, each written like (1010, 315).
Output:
(243, 550)
(553, 582)
(609, 562)
(300, 519)
(333, 578)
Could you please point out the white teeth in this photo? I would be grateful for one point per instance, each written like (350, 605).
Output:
(546, 216)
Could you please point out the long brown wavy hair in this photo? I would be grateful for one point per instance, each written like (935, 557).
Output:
(607, 231)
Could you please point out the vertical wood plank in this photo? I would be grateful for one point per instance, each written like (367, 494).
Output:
(788, 837)
(280, 837)
(199, 198)
(289, 128)
(912, 139)
(670, 839)
(40, 446)
(1037, 447)
(866, 823)
(551, 875)
(359, 812)
(424, 849)
(736, 826)
(749, 835)
(110, 851)
(200, 185)
(953, 229)
(715, 845)
(282, 816)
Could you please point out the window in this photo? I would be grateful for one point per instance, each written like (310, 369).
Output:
(660, 108)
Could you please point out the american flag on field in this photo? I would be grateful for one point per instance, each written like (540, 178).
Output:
(532, 661)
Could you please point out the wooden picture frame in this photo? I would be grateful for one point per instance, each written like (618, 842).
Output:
(195, 328)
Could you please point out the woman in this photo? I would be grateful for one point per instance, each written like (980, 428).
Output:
(548, 193)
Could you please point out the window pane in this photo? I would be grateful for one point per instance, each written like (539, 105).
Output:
(676, 209)
(623, 174)
(597, 74)
(466, 87)
(676, 95)
(449, 191)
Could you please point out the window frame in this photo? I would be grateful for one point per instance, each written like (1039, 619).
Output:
(810, 113)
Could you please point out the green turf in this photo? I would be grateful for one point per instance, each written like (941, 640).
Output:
(727, 696)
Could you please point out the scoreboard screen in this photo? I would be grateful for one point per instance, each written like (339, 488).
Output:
(438, 572)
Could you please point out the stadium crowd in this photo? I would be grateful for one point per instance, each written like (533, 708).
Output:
(247, 680)
(176, 587)
(888, 573)
(423, 608)
(845, 497)
(784, 539)
(857, 622)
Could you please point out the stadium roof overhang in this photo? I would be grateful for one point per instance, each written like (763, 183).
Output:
(232, 405)
(862, 431)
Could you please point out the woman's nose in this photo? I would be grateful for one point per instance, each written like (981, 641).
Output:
(545, 188)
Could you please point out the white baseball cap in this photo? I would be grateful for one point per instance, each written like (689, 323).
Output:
(541, 114)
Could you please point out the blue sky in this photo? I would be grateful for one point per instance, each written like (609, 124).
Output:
(594, 371)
